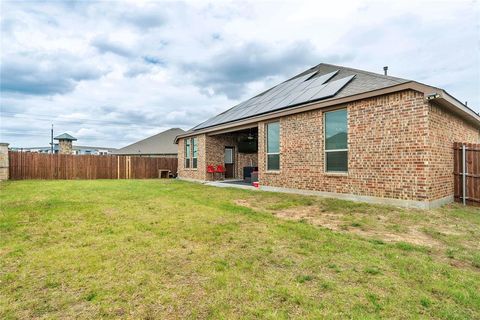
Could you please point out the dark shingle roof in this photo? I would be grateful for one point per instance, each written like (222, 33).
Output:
(336, 81)
(75, 147)
(161, 143)
(364, 81)
(65, 136)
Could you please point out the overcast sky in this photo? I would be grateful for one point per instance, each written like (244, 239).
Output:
(110, 73)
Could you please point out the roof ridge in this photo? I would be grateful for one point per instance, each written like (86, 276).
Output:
(93, 147)
(176, 128)
(151, 137)
(378, 75)
(65, 136)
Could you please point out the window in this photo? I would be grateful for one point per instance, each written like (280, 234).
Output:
(187, 153)
(195, 152)
(273, 146)
(336, 136)
(228, 156)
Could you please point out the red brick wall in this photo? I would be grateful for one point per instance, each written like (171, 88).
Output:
(211, 152)
(387, 143)
(216, 149)
(445, 129)
(200, 172)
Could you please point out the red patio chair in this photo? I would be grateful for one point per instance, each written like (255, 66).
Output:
(220, 169)
(211, 169)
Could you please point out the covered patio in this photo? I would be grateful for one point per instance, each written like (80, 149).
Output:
(234, 151)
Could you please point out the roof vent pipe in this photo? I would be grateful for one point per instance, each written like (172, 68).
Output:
(385, 70)
(466, 103)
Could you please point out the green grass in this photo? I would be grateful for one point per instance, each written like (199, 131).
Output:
(169, 249)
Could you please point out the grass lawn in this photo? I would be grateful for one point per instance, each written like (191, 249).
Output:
(171, 249)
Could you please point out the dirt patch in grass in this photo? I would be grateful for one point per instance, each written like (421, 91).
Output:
(429, 228)
(311, 215)
(451, 234)
(334, 221)
(244, 203)
(110, 211)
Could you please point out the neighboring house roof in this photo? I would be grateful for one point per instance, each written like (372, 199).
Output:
(321, 86)
(65, 136)
(93, 148)
(28, 148)
(161, 143)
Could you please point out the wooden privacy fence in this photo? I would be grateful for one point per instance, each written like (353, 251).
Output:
(467, 173)
(26, 165)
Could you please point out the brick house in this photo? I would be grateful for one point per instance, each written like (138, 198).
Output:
(340, 132)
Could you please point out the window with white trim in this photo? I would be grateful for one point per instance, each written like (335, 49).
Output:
(187, 153)
(336, 141)
(195, 152)
(273, 146)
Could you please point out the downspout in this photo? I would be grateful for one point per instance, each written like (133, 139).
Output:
(464, 174)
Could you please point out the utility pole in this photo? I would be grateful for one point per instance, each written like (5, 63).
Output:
(51, 140)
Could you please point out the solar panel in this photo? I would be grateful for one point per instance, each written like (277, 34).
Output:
(302, 86)
(289, 93)
(307, 94)
(280, 91)
(270, 94)
(240, 105)
(322, 79)
(332, 88)
(297, 89)
(248, 111)
(275, 104)
(282, 87)
(250, 102)
(319, 92)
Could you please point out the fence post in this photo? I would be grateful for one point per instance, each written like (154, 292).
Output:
(464, 174)
(4, 164)
(127, 167)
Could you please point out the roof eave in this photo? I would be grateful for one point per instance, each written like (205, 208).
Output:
(452, 104)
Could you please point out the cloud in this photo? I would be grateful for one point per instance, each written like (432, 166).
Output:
(145, 18)
(36, 74)
(137, 69)
(104, 45)
(153, 60)
(146, 65)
